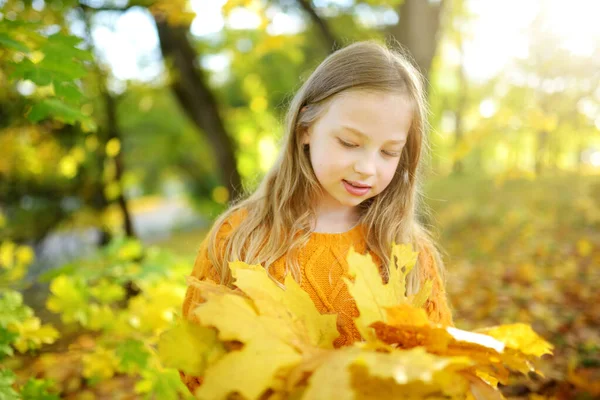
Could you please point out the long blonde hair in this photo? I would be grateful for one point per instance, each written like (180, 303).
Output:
(279, 215)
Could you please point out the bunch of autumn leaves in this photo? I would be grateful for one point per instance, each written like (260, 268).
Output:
(263, 342)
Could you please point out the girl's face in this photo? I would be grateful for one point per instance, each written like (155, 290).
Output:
(355, 146)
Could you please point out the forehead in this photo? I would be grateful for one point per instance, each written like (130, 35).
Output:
(380, 116)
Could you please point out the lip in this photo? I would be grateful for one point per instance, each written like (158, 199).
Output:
(357, 184)
(355, 191)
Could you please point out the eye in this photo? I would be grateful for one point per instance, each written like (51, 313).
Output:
(391, 153)
(347, 144)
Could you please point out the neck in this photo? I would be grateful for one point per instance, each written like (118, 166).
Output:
(335, 219)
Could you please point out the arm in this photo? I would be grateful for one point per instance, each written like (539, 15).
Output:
(203, 269)
(437, 306)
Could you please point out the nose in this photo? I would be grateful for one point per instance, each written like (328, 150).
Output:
(365, 165)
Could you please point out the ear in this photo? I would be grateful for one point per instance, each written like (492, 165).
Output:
(305, 136)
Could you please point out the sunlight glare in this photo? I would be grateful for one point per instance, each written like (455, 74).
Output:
(595, 159)
(576, 22)
(209, 19)
(487, 108)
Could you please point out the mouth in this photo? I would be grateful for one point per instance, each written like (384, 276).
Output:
(357, 184)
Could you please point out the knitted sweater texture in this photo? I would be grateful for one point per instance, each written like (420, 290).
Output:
(323, 264)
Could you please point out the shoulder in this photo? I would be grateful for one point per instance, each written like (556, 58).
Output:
(228, 222)
(211, 251)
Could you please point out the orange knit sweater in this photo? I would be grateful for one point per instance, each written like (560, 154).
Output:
(323, 262)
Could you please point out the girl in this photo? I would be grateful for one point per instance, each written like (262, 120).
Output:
(348, 175)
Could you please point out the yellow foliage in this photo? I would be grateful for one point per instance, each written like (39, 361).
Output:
(91, 143)
(220, 194)
(175, 12)
(372, 296)
(584, 247)
(113, 147)
(519, 337)
(101, 364)
(205, 350)
(107, 292)
(411, 374)
(283, 344)
(68, 167)
(154, 310)
(293, 304)
(231, 4)
(7, 251)
(67, 298)
(112, 190)
(100, 317)
(131, 250)
(78, 153)
(32, 334)
(258, 104)
(24, 255)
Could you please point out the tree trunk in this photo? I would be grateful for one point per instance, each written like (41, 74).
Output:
(195, 97)
(579, 155)
(329, 39)
(458, 167)
(115, 133)
(417, 29)
(540, 152)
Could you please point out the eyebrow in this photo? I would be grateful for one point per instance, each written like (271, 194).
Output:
(359, 133)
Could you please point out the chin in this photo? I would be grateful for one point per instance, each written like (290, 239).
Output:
(352, 202)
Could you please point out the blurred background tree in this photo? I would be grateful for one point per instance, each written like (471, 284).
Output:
(127, 126)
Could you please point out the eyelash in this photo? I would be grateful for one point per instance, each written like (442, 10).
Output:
(351, 146)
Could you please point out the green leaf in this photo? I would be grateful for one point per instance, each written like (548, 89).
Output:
(6, 339)
(133, 355)
(68, 91)
(66, 46)
(7, 41)
(67, 269)
(57, 109)
(38, 389)
(162, 384)
(27, 70)
(12, 309)
(7, 378)
(62, 69)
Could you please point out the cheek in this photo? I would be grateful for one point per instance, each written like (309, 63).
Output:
(320, 165)
(387, 175)
(328, 163)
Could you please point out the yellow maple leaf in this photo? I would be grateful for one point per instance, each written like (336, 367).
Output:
(201, 350)
(260, 360)
(372, 296)
(269, 345)
(293, 302)
(419, 299)
(406, 314)
(276, 344)
(519, 337)
(352, 372)
(490, 353)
